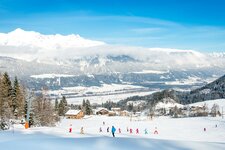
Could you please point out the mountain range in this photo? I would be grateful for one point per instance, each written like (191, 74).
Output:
(79, 61)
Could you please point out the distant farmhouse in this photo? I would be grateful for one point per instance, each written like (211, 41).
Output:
(101, 111)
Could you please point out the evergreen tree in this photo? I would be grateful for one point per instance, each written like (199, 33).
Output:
(88, 109)
(31, 119)
(79, 107)
(56, 104)
(14, 98)
(130, 107)
(175, 111)
(1, 97)
(6, 97)
(18, 99)
(83, 105)
(25, 108)
(64, 100)
(63, 107)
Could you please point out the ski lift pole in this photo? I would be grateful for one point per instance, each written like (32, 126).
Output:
(28, 110)
(13, 127)
(222, 112)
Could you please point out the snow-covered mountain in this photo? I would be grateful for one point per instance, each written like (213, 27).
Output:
(30, 45)
(88, 62)
(218, 54)
(33, 39)
(74, 50)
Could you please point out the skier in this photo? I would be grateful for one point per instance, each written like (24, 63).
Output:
(127, 129)
(82, 130)
(204, 129)
(100, 129)
(137, 131)
(146, 131)
(216, 125)
(103, 123)
(130, 131)
(113, 131)
(108, 129)
(156, 132)
(119, 130)
(70, 129)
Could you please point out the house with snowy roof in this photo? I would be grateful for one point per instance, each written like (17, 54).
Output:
(125, 113)
(101, 111)
(74, 114)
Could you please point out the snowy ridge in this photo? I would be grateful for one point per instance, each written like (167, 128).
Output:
(43, 76)
(151, 72)
(218, 55)
(20, 37)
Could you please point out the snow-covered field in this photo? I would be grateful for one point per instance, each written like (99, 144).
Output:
(170, 103)
(104, 98)
(100, 94)
(210, 103)
(104, 89)
(190, 81)
(174, 134)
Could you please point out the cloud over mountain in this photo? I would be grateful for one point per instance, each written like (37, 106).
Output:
(30, 45)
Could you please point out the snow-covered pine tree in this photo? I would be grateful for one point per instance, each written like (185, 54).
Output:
(175, 112)
(1, 97)
(63, 107)
(6, 97)
(130, 107)
(56, 104)
(83, 106)
(88, 109)
(18, 99)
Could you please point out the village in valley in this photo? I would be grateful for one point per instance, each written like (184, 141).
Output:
(168, 107)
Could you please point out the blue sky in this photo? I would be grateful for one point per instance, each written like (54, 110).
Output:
(183, 24)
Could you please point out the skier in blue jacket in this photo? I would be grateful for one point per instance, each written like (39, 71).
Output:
(113, 131)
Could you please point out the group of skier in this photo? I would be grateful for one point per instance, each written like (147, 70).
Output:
(113, 130)
(129, 130)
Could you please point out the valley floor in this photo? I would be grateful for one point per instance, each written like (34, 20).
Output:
(181, 133)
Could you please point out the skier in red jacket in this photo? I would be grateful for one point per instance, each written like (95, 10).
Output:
(70, 128)
(137, 131)
(131, 131)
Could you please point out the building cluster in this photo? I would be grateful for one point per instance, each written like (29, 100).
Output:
(78, 114)
(165, 108)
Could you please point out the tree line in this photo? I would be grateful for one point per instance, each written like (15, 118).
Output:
(12, 99)
(14, 103)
